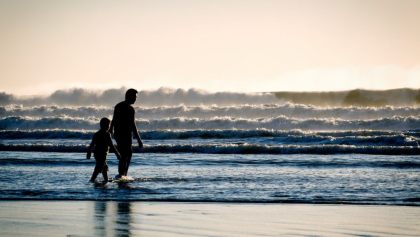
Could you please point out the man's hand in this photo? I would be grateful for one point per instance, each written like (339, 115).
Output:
(88, 155)
(118, 155)
(140, 143)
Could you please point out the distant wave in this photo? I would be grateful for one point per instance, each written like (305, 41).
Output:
(159, 97)
(277, 123)
(374, 98)
(46, 123)
(236, 149)
(205, 112)
(379, 138)
(171, 97)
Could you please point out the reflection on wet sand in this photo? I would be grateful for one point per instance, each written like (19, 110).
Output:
(100, 220)
(162, 219)
(123, 221)
(112, 218)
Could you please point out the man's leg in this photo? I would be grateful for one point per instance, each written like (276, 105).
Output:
(129, 155)
(124, 147)
(121, 164)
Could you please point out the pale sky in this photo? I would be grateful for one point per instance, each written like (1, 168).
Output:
(226, 45)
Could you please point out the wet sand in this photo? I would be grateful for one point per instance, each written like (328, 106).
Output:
(90, 218)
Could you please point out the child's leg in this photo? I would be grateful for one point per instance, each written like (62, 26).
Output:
(99, 167)
(105, 172)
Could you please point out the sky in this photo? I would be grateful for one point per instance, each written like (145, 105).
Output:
(218, 45)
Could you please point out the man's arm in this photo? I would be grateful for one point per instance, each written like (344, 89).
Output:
(135, 132)
(137, 135)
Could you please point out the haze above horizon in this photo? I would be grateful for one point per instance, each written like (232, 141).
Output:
(242, 46)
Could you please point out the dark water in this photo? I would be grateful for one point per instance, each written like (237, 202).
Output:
(234, 141)
(301, 178)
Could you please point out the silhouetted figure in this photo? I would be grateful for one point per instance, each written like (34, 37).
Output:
(123, 126)
(101, 142)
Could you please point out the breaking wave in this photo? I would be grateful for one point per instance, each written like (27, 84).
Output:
(233, 149)
(205, 112)
(278, 123)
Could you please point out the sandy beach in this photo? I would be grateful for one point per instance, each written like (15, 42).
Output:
(90, 218)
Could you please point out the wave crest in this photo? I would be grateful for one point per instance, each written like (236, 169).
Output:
(234, 149)
(277, 123)
(204, 112)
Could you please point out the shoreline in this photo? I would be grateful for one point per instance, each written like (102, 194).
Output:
(128, 218)
(240, 202)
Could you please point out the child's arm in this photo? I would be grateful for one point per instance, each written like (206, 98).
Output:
(111, 127)
(110, 144)
(89, 152)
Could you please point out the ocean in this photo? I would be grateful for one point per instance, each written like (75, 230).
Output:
(254, 149)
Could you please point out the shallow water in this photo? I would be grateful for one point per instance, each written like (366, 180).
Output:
(358, 179)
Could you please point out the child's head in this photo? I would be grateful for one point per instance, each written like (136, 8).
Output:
(104, 123)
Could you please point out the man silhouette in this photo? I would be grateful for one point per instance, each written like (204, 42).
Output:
(123, 126)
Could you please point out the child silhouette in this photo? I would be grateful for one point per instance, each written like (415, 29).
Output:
(101, 142)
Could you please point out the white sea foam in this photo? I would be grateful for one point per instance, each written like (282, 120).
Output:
(277, 123)
(205, 112)
(235, 149)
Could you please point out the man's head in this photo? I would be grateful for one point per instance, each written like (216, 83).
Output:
(104, 123)
(131, 96)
